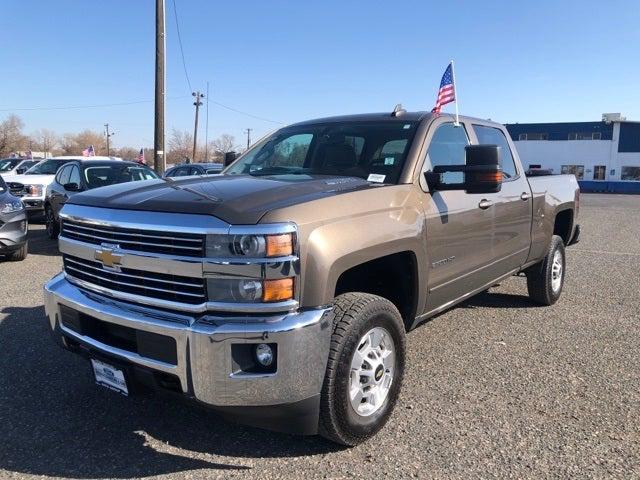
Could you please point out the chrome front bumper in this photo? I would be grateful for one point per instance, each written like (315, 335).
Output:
(204, 364)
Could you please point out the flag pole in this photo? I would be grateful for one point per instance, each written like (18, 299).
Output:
(455, 91)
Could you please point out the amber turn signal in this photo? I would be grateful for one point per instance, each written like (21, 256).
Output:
(279, 245)
(277, 290)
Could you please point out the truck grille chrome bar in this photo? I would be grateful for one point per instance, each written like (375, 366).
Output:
(171, 243)
(155, 285)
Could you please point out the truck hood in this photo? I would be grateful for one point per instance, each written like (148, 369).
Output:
(30, 179)
(236, 199)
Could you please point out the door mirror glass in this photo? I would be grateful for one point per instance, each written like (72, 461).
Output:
(481, 172)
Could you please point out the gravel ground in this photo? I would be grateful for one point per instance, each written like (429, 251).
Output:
(494, 388)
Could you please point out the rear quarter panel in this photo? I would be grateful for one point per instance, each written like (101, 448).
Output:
(551, 195)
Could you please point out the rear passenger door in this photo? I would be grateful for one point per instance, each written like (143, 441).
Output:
(459, 233)
(512, 207)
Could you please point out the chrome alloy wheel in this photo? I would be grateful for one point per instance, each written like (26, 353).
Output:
(556, 272)
(372, 370)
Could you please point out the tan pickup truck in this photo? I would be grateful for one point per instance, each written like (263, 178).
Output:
(280, 292)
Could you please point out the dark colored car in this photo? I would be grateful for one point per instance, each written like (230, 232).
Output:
(81, 175)
(188, 169)
(13, 225)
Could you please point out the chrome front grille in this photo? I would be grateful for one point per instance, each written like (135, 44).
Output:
(138, 282)
(16, 189)
(153, 241)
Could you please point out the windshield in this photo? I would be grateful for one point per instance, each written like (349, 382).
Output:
(48, 167)
(375, 151)
(8, 164)
(103, 175)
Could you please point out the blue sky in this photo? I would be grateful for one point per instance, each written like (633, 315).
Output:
(290, 61)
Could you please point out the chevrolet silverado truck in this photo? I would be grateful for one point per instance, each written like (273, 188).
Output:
(280, 292)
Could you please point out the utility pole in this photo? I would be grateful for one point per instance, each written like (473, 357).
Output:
(198, 104)
(206, 130)
(248, 132)
(108, 135)
(158, 126)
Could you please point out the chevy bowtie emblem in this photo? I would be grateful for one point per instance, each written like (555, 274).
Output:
(107, 256)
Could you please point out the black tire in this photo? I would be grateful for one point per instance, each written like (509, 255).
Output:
(53, 227)
(540, 277)
(20, 254)
(355, 314)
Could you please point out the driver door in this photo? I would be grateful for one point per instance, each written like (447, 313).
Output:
(459, 230)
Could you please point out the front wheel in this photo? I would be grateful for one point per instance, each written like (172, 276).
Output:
(546, 279)
(365, 368)
(53, 229)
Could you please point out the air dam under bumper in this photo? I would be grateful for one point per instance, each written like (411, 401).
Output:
(204, 364)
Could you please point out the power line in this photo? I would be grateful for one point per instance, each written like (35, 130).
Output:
(247, 114)
(184, 64)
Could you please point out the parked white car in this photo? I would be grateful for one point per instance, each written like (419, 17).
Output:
(32, 185)
(16, 166)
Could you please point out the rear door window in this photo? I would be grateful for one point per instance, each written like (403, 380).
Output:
(495, 136)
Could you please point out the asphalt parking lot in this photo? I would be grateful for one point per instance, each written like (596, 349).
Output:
(496, 387)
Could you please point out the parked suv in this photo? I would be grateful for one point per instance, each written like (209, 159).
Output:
(13, 225)
(189, 169)
(16, 166)
(80, 175)
(32, 185)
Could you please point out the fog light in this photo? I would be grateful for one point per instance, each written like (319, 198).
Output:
(264, 354)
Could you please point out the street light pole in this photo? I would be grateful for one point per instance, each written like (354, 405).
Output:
(197, 103)
(158, 126)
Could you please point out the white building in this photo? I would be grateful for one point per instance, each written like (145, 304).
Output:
(607, 151)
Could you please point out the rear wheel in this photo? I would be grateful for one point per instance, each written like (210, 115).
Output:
(365, 368)
(546, 279)
(53, 228)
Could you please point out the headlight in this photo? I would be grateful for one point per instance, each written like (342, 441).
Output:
(250, 245)
(12, 206)
(249, 290)
(33, 190)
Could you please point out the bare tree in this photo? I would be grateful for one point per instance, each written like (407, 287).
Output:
(180, 146)
(73, 144)
(11, 137)
(224, 143)
(44, 140)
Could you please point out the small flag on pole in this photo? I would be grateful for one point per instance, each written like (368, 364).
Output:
(140, 158)
(447, 91)
(89, 151)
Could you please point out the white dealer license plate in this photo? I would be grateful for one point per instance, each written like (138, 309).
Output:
(109, 376)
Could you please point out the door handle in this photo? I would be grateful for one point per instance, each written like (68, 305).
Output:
(484, 204)
(525, 196)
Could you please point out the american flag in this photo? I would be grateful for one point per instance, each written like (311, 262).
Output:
(140, 158)
(89, 151)
(447, 92)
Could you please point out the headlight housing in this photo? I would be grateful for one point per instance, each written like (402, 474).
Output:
(252, 290)
(33, 190)
(12, 206)
(250, 245)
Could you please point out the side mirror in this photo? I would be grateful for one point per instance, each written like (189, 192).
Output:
(71, 187)
(21, 170)
(229, 158)
(480, 174)
(483, 173)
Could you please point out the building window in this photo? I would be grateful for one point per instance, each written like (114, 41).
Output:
(533, 136)
(577, 170)
(630, 173)
(585, 136)
(599, 171)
